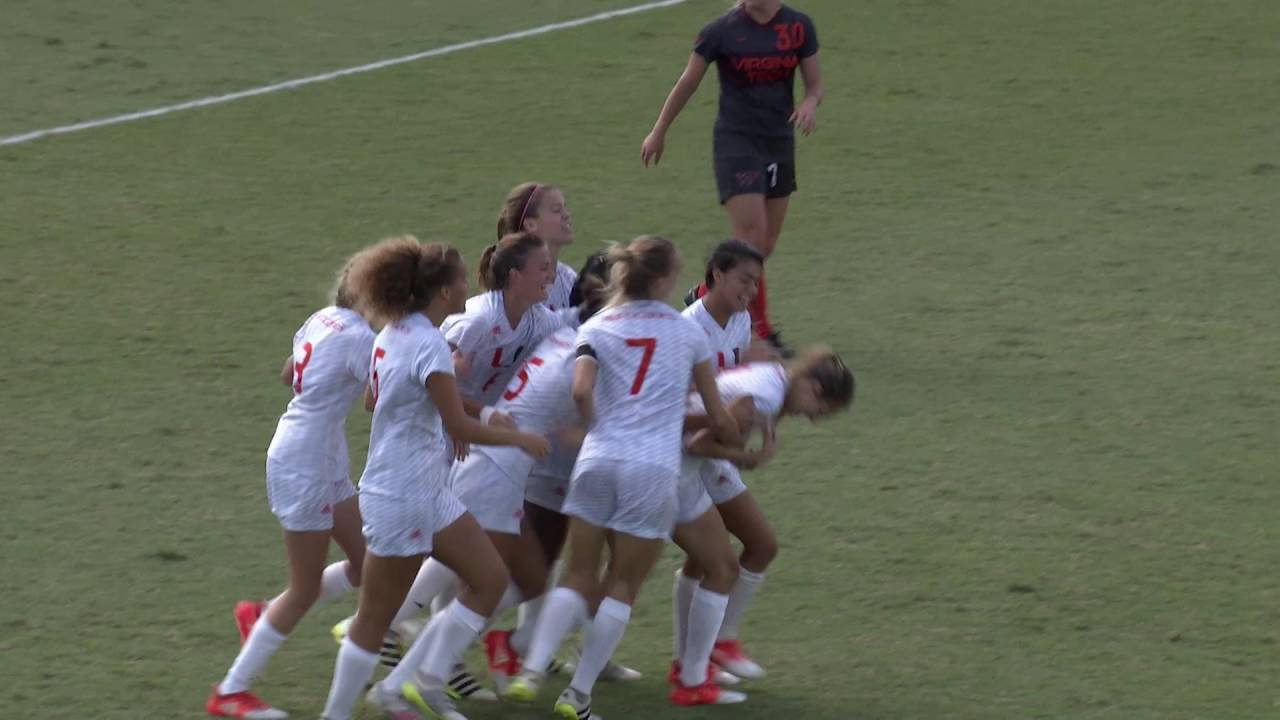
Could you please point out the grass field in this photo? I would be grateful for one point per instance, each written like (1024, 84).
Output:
(1044, 233)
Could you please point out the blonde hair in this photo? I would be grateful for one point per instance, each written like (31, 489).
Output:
(638, 265)
(400, 276)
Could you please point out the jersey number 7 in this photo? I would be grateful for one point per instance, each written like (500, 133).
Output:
(649, 345)
(300, 367)
(378, 354)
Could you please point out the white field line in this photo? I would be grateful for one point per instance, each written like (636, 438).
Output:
(334, 75)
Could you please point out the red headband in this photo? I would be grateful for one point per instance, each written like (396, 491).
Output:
(525, 210)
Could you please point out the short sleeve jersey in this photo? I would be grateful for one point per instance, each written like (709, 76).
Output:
(646, 352)
(492, 348)
(765, 383)
(729, 343)
(757, 66)
(558, 296)
(330, 370)
(408, 456)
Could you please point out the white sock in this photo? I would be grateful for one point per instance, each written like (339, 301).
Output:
(458, 627)
(681, 597)
(432, 580)
(526, 618)
(562, 613)
(603, 635)
(444, 597)
(706, 613)
(351, 674)
(744, 590)
(263, 642)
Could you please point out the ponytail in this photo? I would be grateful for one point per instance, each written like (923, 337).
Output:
(510, 253)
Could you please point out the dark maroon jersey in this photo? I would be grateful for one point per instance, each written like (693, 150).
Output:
(757, 64)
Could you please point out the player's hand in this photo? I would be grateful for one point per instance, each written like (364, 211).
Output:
(535, 445)
(652, 147)
(461, 450)
(805, 117)
(502, 420)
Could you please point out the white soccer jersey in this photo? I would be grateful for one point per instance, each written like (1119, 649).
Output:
(765, 383)
(646, 352)
(330, 370)
(558, 296)
(493, 349)
(538, 399)
(729, 343)
(408, 455)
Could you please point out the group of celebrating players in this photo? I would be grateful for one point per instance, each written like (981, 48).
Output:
(555, 408)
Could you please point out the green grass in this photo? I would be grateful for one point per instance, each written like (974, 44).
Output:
(1044, 234)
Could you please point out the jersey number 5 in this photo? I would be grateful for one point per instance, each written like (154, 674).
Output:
(524, 379)
(649, 345)
(299, 367)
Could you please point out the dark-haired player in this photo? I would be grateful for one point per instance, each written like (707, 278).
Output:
(756, 47)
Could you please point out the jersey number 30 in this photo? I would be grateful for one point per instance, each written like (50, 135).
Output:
(649, 345)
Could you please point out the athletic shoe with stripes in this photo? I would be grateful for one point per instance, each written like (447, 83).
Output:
(433, 703)
(242, 705)
(573, 705)
(524, 687)
(465, 686)
(612, 672)
(247, 613)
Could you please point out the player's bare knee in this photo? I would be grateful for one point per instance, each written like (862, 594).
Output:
(760, 551)
(722, 573)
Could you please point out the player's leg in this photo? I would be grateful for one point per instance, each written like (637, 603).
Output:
(707, 540)
(464, 547)
(384, 584)
(745, 520)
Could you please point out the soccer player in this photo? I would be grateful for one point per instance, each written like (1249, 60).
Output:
(540, 209)
(407, 507)
(756, 47)
(309, 490)
(814, 385)
(635, 361)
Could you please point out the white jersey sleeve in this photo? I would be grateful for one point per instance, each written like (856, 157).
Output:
(765, 383)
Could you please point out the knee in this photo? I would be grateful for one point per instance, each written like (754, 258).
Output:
(721, 574)
(760, 551)
(692, 569)
(490, 583)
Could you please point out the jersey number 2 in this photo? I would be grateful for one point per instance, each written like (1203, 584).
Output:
(299, 367)
(649, 345)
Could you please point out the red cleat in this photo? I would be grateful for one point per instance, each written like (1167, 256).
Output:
(729, 655)
(243, 705)
(504, 661)
(708, 693)
(247, 614)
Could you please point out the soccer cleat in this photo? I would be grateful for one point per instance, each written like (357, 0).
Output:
(464, 686)
(573, 705)
(247, 613)
(775, 339)
(524, 687)
(242, 705)
(729, 655)
(715, 674)
(393, 705)
(708, 693)
(433, 703)
(504, 661)
(612, 671)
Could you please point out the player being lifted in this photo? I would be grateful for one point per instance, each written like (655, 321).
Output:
(756, 48)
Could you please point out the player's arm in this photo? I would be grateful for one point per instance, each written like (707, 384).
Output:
(584, 383)
(368, 398)
(286, 372)
(723, 424)
(704, 443)
(685, 87)
(805, 117)
(443, 389)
